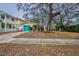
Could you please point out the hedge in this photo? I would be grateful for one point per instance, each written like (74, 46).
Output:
(71, 28)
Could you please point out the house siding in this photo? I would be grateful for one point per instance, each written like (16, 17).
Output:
(10, 23)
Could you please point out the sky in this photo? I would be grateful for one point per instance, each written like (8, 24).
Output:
(11, 9)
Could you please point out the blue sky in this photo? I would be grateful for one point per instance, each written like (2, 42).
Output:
(11, 9)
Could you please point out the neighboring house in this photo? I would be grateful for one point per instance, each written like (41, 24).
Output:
(19, 23)
(31, 26)
(9, 23)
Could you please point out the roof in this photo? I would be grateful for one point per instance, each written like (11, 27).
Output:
(30, 23)
(19, 19)
(6, 13)
(11, 15)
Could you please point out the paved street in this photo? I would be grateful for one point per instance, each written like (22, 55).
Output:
(8, 38)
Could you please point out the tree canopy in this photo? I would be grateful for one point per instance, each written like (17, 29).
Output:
(45, 13)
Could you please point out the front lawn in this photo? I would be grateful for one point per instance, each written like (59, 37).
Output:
(55, 35)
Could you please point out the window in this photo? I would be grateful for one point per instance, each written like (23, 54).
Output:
(3, 25)
(9, 26)
(8, 17)
(12, 19)
(2, 17)
(13, 26)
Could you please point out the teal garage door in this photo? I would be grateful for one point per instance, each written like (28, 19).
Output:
(27, 28)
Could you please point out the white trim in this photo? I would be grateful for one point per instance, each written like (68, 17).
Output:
(5, 24)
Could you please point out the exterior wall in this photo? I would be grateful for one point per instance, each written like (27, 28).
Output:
(10, 23)
(0, 23)
(8, 20)
(0, 26)
(14, 25)
(3, 20)
(19, 24)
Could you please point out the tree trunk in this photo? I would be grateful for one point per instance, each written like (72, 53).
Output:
(51, 15)
(50, 18)
(49, 26)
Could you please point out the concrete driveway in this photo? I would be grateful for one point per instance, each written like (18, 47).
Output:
(8, 38)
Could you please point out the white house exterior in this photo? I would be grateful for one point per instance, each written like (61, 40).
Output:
(8, 23)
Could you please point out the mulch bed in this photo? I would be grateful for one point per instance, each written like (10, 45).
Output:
(38, 50)
(52, 35)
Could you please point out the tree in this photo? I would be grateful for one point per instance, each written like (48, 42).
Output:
(67, 12)
(43, 10)
(48, 12)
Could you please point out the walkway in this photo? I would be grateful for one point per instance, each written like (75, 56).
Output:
(8, 38)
